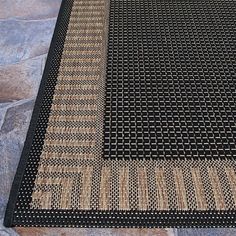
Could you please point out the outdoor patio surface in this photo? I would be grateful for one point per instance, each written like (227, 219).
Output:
(26, 28)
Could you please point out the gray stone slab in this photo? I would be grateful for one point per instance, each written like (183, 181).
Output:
(94, 232)
(207, 232)
(6, 231)
(14, 122)
(21, 40)
(14, 125)
(21, 80)
(29, 9)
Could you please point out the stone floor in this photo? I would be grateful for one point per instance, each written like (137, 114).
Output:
(26, 28)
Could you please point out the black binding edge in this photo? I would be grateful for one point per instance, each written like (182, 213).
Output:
(128, 219)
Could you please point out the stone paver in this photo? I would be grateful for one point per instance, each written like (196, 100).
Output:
(94, 232)
(21, 80)
(14, 122)
(29, 9)
(7, 231)
(207, 232)
(21, 40)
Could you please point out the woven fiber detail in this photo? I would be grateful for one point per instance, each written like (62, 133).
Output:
(73, 173)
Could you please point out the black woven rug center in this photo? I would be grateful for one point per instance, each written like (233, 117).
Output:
(170, 86)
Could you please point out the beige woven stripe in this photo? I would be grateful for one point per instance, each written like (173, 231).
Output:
(68, 156)
(94, 53)
(230, 173)
(56, 169)
(78, 118)
(88, 7)
(77, 97)
(216, 188)
(104, 188)
(124, 188)
(86, 107)
(81, 60)
(85, 195)
(96, 25)
(142, 188)
(73, 130)
(45, 198)
(93, 3)
(95, 44)
(89, 20)
(67, 185)
(42, 199)
(87, 13)
(199, 189)
(97, 31)
(180, 189)
(81, 69)
(87, 24)
(84, 31)
(71, 143)
(162, 197)
(78, 86)
(77, 78)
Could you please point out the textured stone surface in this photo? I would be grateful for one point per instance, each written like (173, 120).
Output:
(21, 40)
(29, 9)
(94, 232)
(21, 80)
(14, 124)
(207, 232)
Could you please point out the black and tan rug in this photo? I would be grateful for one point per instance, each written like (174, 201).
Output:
(135, 119)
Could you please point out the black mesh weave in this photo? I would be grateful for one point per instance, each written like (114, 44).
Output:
(170, 89)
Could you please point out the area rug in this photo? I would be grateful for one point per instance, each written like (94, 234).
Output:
(135, 120)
